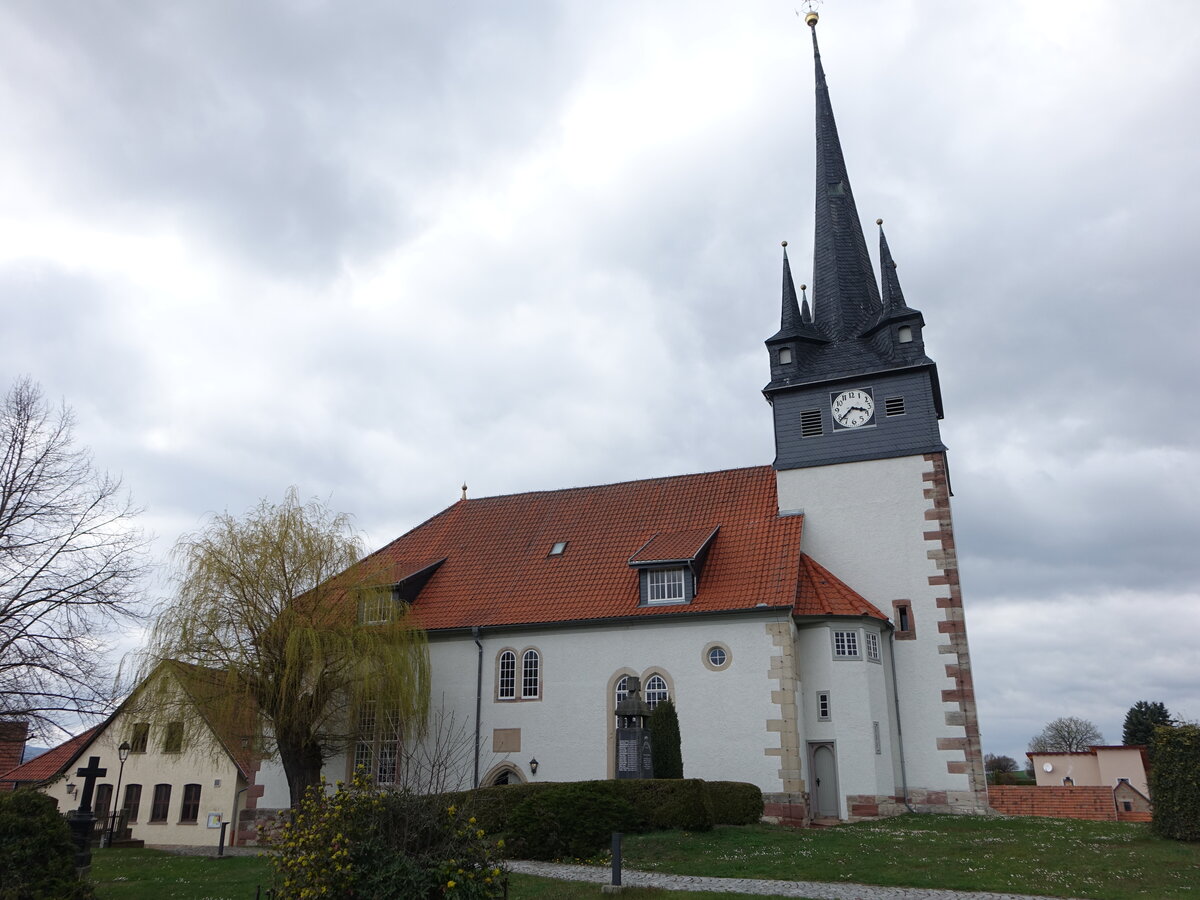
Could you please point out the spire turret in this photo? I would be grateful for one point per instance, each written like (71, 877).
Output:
(893, 297)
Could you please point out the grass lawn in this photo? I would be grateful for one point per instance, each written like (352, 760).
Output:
(155, 875)
(1055, 857)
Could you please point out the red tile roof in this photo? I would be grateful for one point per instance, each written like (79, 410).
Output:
(824, 594)
(52, 762)
(498, 569)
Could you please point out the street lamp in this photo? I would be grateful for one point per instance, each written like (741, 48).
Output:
(122, 754)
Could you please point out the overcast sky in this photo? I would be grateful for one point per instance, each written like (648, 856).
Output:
(375, 250)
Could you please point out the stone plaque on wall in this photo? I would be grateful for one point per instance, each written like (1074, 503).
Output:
(506, 740)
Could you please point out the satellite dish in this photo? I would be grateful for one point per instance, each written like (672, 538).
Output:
(1046, 767)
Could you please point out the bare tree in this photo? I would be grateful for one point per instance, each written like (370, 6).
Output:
(1068, 734)
(71, 559)
(272, 604)
(1002, 765)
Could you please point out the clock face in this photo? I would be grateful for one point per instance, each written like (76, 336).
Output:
(853, 409)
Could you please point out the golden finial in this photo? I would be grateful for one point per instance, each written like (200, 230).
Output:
(810, 13)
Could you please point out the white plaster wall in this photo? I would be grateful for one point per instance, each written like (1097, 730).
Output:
(1116, 763)
(865, 522)
(722, 714)
(858, 697)
(1081, 768)
(199, 763)
(275, 787)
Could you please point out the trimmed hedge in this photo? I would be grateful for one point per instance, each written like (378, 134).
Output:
(1175, 782)
(551, 820)
(735, 802)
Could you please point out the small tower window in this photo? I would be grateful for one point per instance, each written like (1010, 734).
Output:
(904, 334)
(894, 406)
(810, 423)
(785, 355)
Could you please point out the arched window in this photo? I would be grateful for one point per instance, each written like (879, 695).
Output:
(531, 675)
(655, 691)
(622, 690)
(506, 679)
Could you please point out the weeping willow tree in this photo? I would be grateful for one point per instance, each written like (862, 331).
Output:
(268, 604)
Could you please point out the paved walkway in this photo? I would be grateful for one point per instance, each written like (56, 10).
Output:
(811, 890)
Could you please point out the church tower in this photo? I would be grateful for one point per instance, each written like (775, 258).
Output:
(856, 404)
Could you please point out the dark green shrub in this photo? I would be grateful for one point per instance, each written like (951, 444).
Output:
(665, 803)
(37, 856)
(1174, 784)
(493, 806)
(735, 802)
(665, 749)
(573, 820)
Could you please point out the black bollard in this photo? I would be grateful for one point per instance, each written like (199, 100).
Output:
(616, 858)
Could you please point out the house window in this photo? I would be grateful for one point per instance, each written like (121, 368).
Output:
(133, 799)
(810, 423)
(162, 800)
(823, 708)
(845, 644)
(622, 691)
(506, 678)
(872, 641)
(189, 810)
(141, 736)
(173, 741)
(104, 794)
(531, 675)
(716, 656)
(656, 690)
(664, 586)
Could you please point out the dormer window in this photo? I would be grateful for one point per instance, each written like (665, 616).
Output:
(904, 334)
(665, 586)
(669, 566)
(785, 356)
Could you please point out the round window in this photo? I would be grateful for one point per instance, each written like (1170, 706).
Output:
(716, 656)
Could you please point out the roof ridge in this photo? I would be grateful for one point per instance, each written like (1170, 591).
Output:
(590, 487)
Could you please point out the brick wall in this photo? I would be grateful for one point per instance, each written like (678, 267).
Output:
(1094, 803)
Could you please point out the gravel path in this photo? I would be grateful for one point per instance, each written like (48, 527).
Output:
(812, 890)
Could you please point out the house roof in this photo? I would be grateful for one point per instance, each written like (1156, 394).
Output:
(53, 762)
(824, 594)
(498, 569)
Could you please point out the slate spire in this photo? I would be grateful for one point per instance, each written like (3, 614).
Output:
(893, 297)
(845, 295)
(790, 317)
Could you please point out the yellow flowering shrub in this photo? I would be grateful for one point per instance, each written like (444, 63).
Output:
(360, 841)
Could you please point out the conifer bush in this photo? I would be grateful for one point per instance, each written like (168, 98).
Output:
(37, 855)
(360, 841)
(1175, 782)
(665, 748)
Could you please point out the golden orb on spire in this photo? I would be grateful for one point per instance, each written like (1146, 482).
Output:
(879, 221)
(783, 243)
(810, 19)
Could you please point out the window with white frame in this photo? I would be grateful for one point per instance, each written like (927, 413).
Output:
(656, 690)
(377, 748)
(823, 707)
(376, 607)
(506, 676)
(664, 586)
(845, 644)
(531, 675)
(872, 641)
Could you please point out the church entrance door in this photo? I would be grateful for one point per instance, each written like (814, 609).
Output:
(825, 790)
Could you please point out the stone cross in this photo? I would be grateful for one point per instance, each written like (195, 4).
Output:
(89, 774)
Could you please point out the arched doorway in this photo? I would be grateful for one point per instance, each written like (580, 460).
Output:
(824, 778)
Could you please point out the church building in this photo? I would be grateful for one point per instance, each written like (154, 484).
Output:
(805, 617)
